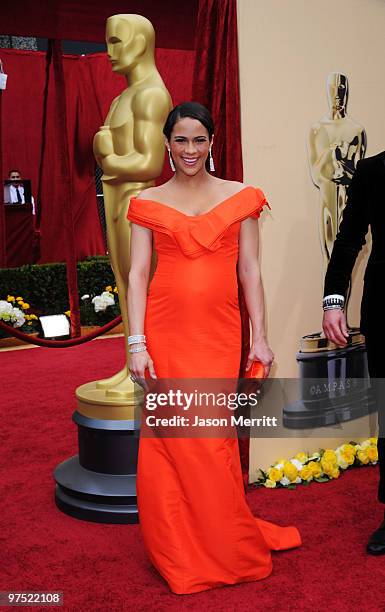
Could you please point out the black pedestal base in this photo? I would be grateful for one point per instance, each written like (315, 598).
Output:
(309, 415)
(96, 497)
(335, 388)
(99, 484)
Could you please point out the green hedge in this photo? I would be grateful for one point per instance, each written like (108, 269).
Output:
(44, 287)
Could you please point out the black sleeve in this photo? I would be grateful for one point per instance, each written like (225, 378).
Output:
(350, 238)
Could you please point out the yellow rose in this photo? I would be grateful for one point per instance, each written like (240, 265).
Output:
(316, 469)
(306, 473)
(270, 484)
(108, 288)
(275, 474)
(349, 448)
(302, 457)
(362, 456)
(33, 316)
(115, 290)
(330, 456)
(29, 323)
(290, 471)
(372, 453)
(348, 454)
(328, 467)
(68, 313)
(10, 298)
(19, 299)
(335, 473)
(373, 441)
(25, 306)
(27, 317)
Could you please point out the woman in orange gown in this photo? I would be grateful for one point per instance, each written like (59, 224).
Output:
(196, 525)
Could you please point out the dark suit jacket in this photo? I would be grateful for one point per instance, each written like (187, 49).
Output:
(365, 207)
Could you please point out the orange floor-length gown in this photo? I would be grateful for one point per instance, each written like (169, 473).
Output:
(197, 527)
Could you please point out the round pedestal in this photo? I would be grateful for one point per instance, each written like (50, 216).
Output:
(334, 384)
(99, 484)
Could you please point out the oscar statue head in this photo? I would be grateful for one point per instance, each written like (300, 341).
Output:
(130, 40)
(337, 90)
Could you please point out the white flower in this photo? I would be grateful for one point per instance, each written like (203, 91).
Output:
(365, 444)
(108, 297)
(315, 457)
(19, 319)
(284, 481)
(298, 480)
(99, 303)
(341, 462)
(10, 314)
(85, 297)
(5, 307)
(298, 464)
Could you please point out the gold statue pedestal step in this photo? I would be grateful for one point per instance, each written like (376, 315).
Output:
(99, 484)
(334, 383)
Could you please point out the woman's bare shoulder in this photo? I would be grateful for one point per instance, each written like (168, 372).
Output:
(146, 194)
(232, 187)
(152, 193)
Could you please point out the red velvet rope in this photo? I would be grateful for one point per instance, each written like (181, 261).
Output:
(16, 333)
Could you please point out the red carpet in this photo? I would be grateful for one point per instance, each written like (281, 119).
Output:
(103, 567)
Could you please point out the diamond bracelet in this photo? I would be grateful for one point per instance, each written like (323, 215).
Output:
(334, 307)
(137, 349)
(136, 338)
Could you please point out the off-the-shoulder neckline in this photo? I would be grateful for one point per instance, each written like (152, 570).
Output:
(202, 214)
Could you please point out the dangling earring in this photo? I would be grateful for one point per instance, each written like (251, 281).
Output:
(211, 161)
(171, 161)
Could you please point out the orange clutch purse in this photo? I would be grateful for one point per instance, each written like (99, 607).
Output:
(256, 370)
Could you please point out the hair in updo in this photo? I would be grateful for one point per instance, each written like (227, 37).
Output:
(193, 110)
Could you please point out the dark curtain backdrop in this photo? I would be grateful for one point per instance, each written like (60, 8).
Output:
(216, 81)
(173, 20)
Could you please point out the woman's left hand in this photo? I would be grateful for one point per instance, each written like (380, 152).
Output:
(260, 351)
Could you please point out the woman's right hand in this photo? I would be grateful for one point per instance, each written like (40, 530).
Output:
(138, 363)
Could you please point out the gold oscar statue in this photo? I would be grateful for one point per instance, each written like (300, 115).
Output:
(129, 148)
(335, 144)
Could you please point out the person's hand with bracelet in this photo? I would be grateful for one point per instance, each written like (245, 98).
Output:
(334, 319)
(140, 360)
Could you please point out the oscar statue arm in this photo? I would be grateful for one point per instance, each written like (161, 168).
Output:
(318, 156)
(150, 108)
(111, 111)
(350, 238)
(361, 149)
(102, 144)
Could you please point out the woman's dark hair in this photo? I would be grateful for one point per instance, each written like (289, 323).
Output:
(193, 110)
